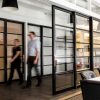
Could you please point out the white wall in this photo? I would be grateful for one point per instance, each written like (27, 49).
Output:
(27, 15)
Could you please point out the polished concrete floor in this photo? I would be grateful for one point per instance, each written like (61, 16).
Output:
(15, 92)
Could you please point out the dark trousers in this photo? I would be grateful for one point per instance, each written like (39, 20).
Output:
(15, 65)
(30, 66)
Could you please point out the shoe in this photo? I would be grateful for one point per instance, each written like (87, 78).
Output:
(39, 83)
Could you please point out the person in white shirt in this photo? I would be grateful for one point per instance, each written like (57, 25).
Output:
(33, 58)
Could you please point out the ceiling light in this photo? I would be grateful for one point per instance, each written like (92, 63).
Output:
(10, 5)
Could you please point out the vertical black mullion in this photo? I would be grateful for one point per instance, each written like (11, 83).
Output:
(41, 39)
(5, 50)
(74, 45)
(91, 42)
(65, 52)
(23, 48)
(53, 52)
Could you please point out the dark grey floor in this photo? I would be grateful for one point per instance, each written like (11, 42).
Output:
(15, 92)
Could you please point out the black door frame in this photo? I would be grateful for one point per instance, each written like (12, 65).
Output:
(53, 45)
(41, 40)
(5, 45)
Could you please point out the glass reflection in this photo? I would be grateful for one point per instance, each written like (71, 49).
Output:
(82, 22)
(1, 76)
(1, 63)
(35, 29)
(14, 28)
(11, 37)
(82, 36)
(63, 18)
(1, 38)
(1, 26)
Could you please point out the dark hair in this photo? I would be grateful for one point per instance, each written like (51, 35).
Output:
(17, 40)
(33, 33)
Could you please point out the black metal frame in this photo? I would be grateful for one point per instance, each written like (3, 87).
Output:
(41, 39)
(95, 19)
(91, 44)
(53, 43)
(5, 44)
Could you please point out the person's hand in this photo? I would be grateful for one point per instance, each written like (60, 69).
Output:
(35, 61)
(11, 60)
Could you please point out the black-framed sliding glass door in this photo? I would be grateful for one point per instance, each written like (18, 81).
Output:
(2, 56)
(47, 51)
(14, 31)
(9, 30)
(63, 50)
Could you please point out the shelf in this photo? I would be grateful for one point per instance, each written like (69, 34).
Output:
(81, 29)
(82, 43)
(96, 31)
(82, 69)
(96, 67)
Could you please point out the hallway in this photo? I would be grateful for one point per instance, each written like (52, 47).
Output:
(14, 92)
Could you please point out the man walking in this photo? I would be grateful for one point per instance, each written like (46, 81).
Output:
(33, 58)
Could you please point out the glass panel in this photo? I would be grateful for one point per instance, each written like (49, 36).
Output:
(8, 62)
(63, 50)
(1, 63)
(64, 80)
(1, 26)
(69, 52)
(63, 18)
(47, 41)
(9, 50)
(78, 79)
(47, 50)
(1, 38)
(82, 23)
(82, 50)
(82, 63)
(96, 26)
(69, 45)
(2, 51)
(1, 76)
(60, 68)
(82, 36)
(47, 60)
(47, 69)
(69, 60)
(96, 38)
(97, 62)
(14, 28)
(96, 50)
(70, 67)
(47, 32)
(60, 53)
(34, 29)
(96, 43)
(11, 37)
